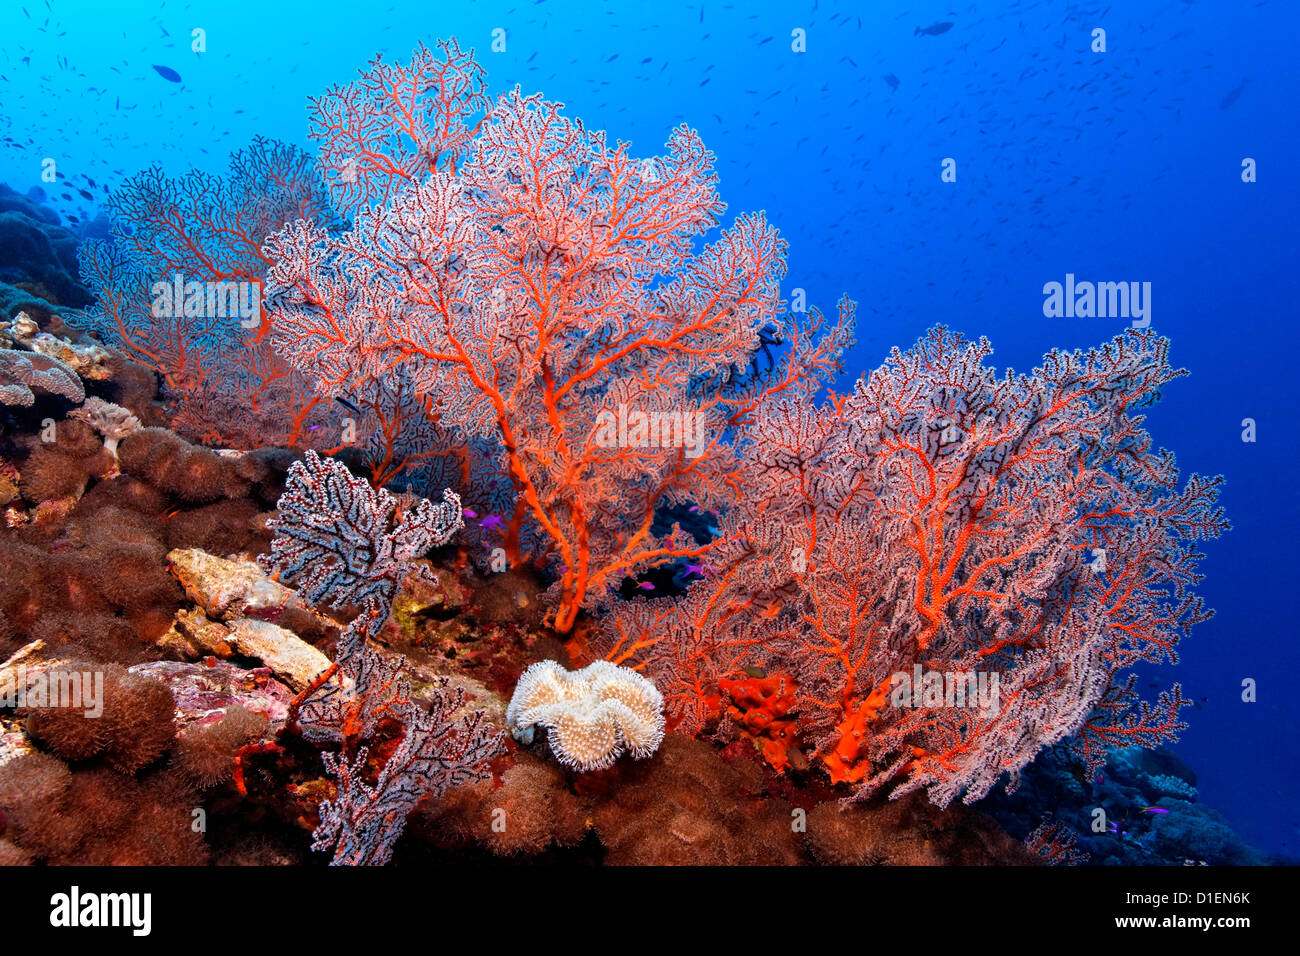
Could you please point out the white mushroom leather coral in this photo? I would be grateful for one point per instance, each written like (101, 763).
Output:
(592, 715)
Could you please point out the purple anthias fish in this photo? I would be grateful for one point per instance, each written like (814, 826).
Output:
(469, 514)
(646, 586)
(1154, 810)
(491, 522)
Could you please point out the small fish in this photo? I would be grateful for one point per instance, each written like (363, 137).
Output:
(933, 30)
(1233, 96)
(346, 404)
(469, 514)
(491, 522)
(754, 671)
(1154, 810)
(167, 73)
(646, 586)
(892, 81)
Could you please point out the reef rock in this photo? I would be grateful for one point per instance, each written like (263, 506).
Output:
(287, 655)
(228, 588)
(88, 359)
(36, 250)
(206, 691)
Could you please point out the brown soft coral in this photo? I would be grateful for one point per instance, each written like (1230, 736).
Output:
(123, 492)
(49, 474)
(75, 438)
(96, 636)
(140, 716)
(224, 527)
(26, 595)
(106, 818)
(172, 465)
(11, 855)
(132, 575)
(30, 784)
(205, 753)
(61, 466)
(908, 832)
(122, 560)
(687, 805)
(135, 387)
(9, 639)
(530, 809)
(74, 733)
(136, 725)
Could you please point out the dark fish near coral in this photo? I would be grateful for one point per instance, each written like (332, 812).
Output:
(933, 30)
(892, 81)
(167, 73)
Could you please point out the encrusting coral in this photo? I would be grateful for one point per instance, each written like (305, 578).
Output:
(593, 715)
(21, 372)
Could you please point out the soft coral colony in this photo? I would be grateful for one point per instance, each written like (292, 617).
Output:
(479, 280)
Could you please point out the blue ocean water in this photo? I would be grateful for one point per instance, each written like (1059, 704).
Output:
(1122, 165)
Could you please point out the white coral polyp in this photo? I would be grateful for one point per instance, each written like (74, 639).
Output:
(593, 715)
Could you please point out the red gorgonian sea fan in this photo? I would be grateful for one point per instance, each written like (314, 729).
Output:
(947, 522)
(529, 281)
(202, 235)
